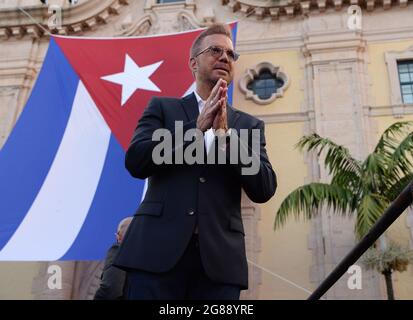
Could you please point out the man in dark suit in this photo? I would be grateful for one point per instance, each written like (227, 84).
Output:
(186, 240)
(113, 279)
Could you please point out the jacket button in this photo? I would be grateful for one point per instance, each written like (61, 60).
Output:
(202, 180)
(191, 212)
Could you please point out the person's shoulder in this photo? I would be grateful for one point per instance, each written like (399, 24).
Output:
(163, 100)
(245, 117)
(112, 251)
(114, 247)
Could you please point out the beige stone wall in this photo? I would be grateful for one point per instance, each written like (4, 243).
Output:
(293, 100)
(378, 71)
(16, 280)
(284, 251)
(287, 246)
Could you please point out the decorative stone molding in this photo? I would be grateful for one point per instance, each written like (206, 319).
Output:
(87, 15)
(251, 213)
(188, 21)
(176, 22)
(184, 4)
(8, 108)
(317, 47)
(251, 73)
(86, 279)
(290, 8)
(293, 117)
(397, 111)
(176, 16)
(129, 27)
(391, 58)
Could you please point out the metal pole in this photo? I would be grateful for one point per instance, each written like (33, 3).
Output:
(34, 20)
(397, 207)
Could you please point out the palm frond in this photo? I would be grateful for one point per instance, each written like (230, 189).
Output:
(308, 199)
(370, 208)
(338, 160)
(365, 188)
(347, 179)
(390, 161)
(389, 138)
(401, 156)
(374, 177)
(394, 190)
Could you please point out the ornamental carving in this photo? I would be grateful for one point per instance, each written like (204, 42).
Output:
(252, 73)
(84, 16)
(291, 8)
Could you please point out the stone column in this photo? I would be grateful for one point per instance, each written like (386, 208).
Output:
(251, 215)
(335, 63)
(87, 279)
(20, 62)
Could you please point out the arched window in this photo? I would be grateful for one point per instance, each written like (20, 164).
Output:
(264, 83)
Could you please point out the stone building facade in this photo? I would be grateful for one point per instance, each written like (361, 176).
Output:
(338, 80)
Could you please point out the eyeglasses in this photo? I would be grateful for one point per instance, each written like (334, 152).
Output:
(217, 52)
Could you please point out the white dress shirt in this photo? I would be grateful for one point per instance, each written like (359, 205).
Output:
(209, 135)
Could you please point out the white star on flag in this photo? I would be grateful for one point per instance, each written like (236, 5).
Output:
(133, 78)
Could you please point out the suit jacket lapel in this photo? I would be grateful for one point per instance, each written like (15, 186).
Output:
(190, 106)
(232, 116)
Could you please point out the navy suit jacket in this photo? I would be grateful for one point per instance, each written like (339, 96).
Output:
(181, 197)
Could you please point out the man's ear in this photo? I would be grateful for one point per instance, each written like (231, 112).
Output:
(193, 65)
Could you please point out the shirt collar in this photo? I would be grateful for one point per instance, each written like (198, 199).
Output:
(201, 102)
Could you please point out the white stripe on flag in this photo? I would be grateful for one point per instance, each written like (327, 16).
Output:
(62, 204)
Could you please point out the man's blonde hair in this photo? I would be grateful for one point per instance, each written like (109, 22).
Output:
(217, 28)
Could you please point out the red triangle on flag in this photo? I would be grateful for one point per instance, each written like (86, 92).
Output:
(94, 59)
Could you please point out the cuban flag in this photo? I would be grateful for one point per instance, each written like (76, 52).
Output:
(63, 184)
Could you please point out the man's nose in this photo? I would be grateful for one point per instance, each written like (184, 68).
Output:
(224, 56)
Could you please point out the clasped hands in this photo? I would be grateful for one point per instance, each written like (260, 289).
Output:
(214, 113)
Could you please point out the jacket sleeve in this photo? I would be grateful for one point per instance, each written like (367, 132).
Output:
(261, 185)
(112, 280)
(139, 161)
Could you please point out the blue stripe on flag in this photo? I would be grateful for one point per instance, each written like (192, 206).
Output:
(117, 196)
(31, 147)
(234, 41)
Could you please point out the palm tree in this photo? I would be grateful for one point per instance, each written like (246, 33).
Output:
(393, 258)
(362, 188)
